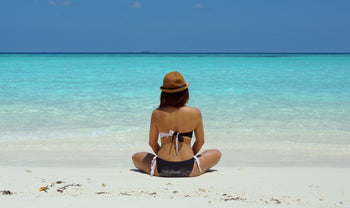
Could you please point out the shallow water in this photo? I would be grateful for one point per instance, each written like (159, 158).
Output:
(297, 103)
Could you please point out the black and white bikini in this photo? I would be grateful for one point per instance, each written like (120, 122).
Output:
(174, 169)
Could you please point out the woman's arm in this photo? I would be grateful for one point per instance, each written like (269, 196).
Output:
(199, 132)
(153, 134)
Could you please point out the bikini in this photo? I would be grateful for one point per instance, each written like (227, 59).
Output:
(174, 169)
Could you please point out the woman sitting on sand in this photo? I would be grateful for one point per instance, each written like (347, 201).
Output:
(175, 123)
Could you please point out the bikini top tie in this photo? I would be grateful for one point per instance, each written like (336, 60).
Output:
(178, 137)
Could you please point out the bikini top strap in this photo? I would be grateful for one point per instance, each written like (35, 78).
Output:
(161, 134)
(188, 134)
(171, 133)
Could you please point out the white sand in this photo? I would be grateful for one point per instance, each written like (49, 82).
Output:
(262, 181)
(225, 187)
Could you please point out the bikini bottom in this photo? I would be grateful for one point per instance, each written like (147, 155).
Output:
(174, 169)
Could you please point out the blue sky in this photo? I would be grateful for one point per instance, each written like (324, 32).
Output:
(175, 26)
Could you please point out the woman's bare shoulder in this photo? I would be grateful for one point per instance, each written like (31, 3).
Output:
(192, 110)
(160, 112)
(155, 114)
(186, 109)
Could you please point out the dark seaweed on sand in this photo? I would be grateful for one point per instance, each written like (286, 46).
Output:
(6, 192)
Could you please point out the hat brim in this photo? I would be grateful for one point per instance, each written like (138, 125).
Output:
(179, 89)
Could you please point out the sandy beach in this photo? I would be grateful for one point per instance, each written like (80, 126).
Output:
(223, 186)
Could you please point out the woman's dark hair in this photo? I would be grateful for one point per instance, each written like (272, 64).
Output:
(177, 99)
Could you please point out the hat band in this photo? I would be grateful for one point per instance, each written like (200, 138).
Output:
(173, 88)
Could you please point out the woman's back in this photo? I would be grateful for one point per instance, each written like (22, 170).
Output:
(182, 120)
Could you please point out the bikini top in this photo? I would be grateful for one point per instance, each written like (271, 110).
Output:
(177, 136)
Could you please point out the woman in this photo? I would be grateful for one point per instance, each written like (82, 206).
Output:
(175, 122)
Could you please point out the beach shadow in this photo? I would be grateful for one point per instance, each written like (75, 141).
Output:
(137, 170)
(210, 171)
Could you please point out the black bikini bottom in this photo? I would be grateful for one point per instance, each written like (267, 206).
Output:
(174, 169)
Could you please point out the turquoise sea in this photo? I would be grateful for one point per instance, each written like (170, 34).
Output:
(294, 104)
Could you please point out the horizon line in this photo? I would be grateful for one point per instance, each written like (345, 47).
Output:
(150, 52)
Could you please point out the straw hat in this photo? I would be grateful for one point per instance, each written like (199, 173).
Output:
(174, 82)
